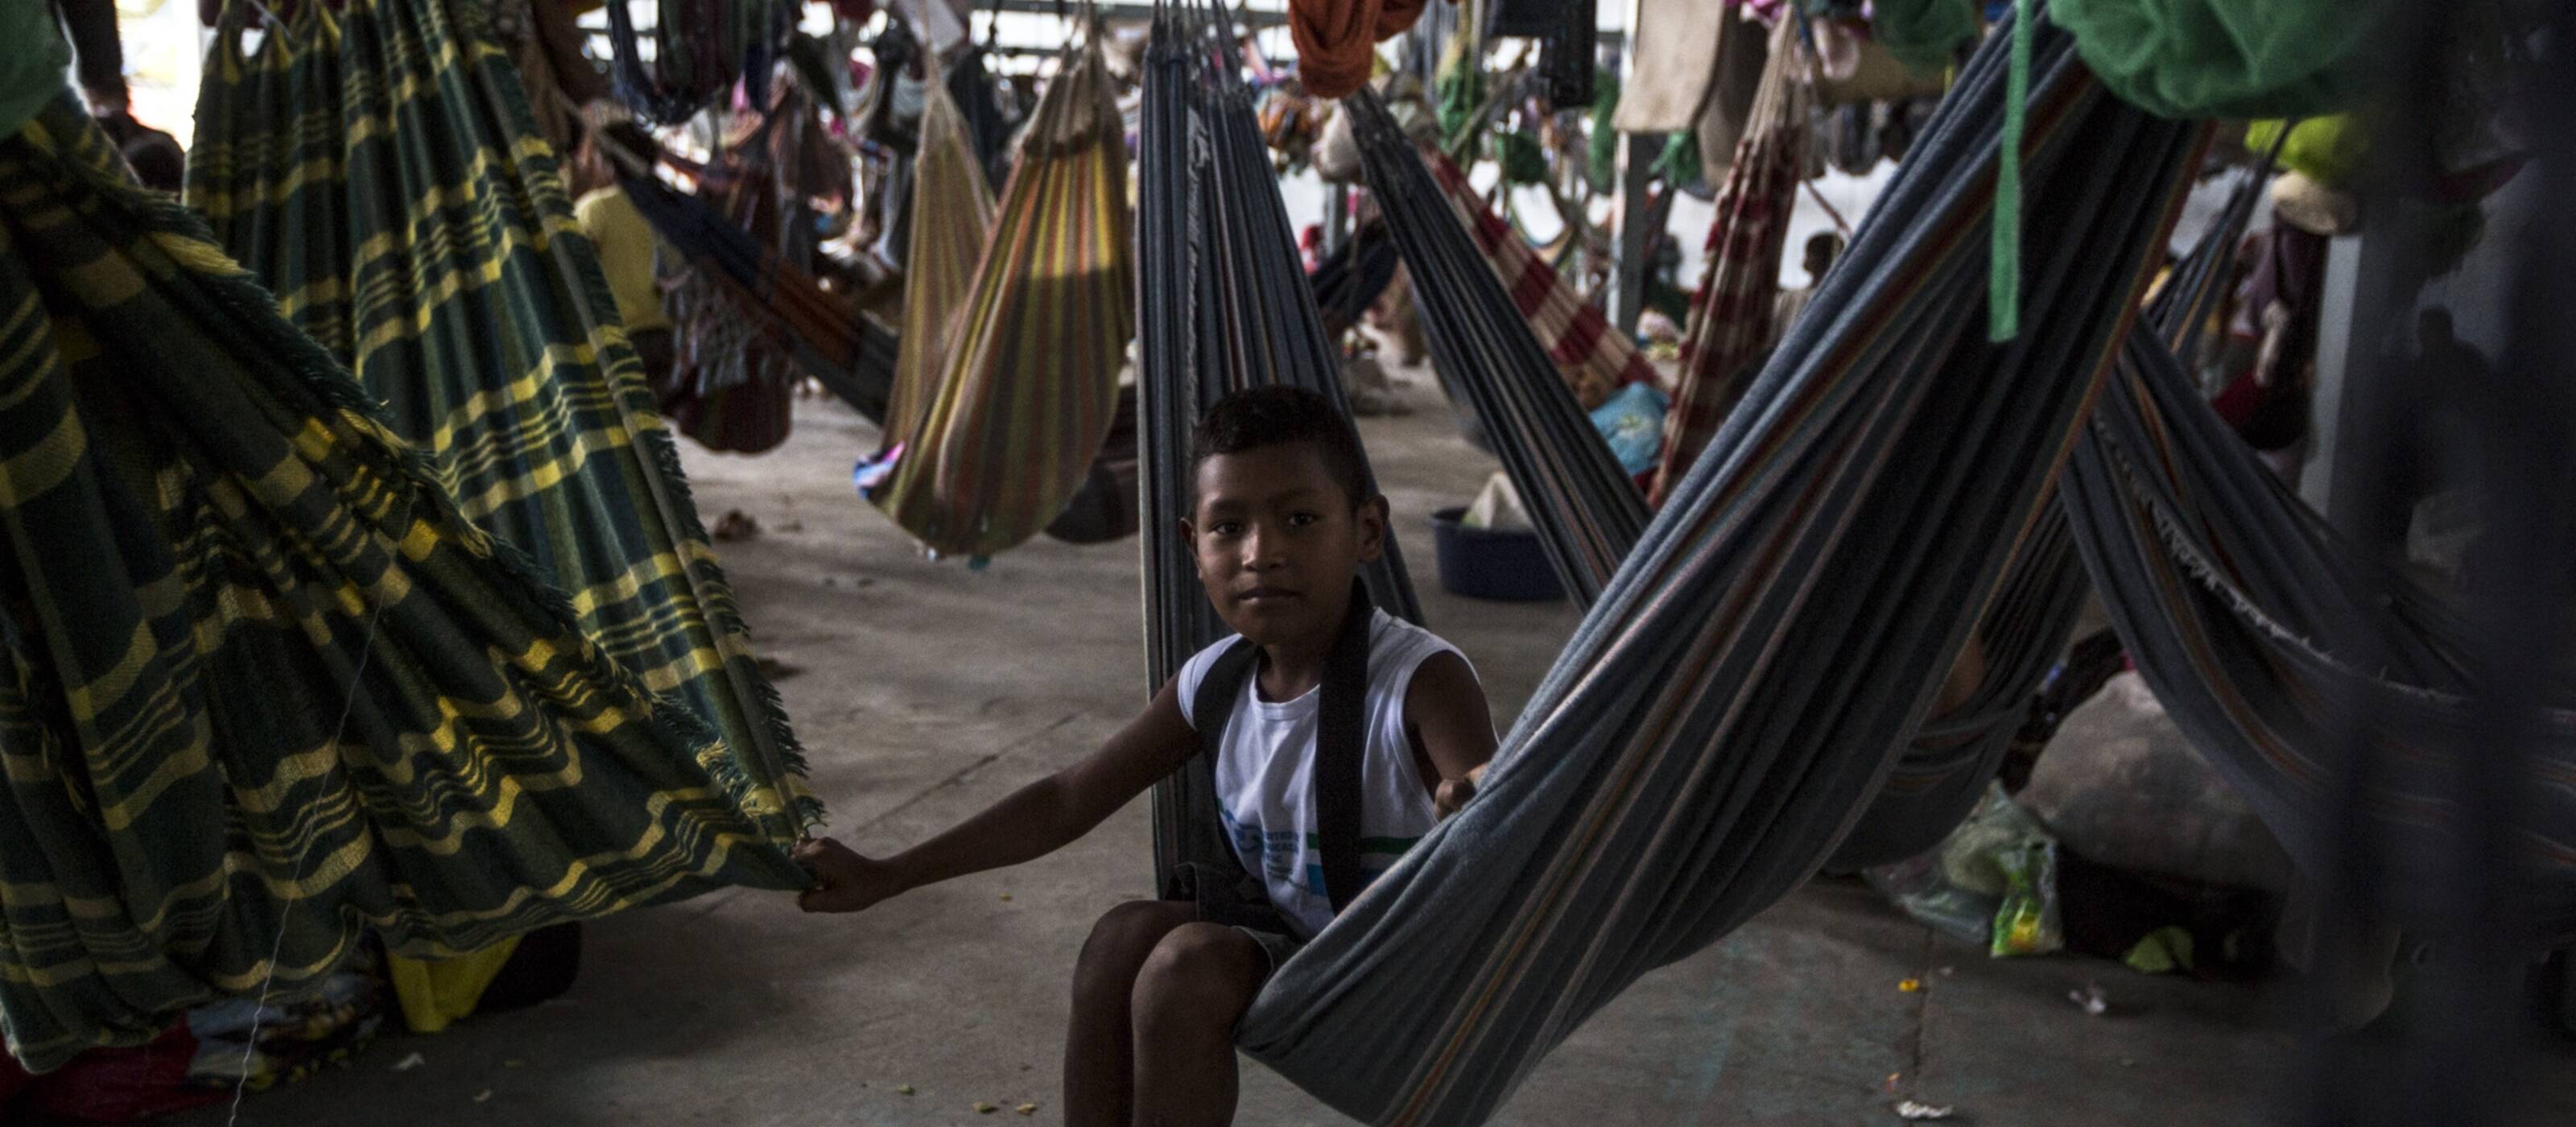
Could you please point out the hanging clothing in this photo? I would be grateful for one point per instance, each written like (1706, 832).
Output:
(268, 689)
(1265, 772)
(1337, 39)
(441, 264)
(1673, 69)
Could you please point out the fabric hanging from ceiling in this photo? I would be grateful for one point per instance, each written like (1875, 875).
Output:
(375, 166)
(1668, 81)
(952, 213)
(1337, 39)
(269, 690)
(2228, 58)
(1226, 307)
(1731, 317)
(1000, 424)
(1747, 681)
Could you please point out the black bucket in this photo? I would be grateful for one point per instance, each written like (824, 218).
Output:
(1505, 564)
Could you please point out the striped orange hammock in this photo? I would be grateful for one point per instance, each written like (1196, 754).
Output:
(1008, 379)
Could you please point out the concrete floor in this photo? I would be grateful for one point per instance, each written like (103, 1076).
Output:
(926, 690)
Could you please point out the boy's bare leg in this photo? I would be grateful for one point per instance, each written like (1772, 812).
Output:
(1189, 995)
(1099, 1049)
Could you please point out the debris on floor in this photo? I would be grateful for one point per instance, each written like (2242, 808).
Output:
(1026, 1109)
(2091, 999)
(982, 1108)
(483, 1096)
(903, 1089)
(410, 1062)
(735, 524)
(1922, 1112)
(1909, 986)
(775, 669)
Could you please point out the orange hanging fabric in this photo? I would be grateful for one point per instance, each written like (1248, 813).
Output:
(1337, 39)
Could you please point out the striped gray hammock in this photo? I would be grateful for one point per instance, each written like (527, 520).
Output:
(1226, 307)
(1747, 679)
(1590, 514)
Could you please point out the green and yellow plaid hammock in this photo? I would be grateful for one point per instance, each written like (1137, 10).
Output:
(1008, 379)
(268, 689)
(377, 167)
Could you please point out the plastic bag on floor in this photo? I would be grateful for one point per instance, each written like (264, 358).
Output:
(1632, 422)
(1992, 881)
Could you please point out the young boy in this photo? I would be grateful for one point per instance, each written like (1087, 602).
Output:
(1282, 522)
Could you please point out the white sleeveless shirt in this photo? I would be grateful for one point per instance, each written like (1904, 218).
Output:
(1265, 772)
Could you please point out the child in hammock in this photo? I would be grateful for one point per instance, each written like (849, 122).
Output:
(1282, 523)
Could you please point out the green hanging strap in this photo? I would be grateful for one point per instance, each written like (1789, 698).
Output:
(2003, 281)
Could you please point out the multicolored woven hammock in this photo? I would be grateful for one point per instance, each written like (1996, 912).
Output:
(847, 352)
(1731, 316)
(375, 164)
(998, 415)
(268, 689)
(1595, 359)
(952, 212)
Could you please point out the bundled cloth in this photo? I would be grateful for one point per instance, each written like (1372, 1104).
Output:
(375, 164)
(270, 689)
(1337, 39)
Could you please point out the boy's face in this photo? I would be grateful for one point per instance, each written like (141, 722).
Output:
(1277, 541)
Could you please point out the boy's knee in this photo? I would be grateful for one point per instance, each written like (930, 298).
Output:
(1125, 936)
(1198, 980)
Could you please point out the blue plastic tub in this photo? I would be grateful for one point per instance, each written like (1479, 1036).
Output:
(1507, 565)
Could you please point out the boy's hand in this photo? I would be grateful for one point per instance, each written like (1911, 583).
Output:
(1454, 793)
(843, 880)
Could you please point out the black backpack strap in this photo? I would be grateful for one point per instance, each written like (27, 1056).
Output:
(1340, 736)
(1341, 750)
(1213, 704)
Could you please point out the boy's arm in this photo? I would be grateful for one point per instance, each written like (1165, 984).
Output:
(1032, 822)
(1445, 708)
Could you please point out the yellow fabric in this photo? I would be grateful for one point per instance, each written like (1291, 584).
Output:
(437, 993)
(625, 243)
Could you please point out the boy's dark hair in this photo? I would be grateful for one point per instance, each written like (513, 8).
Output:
(1277, 415)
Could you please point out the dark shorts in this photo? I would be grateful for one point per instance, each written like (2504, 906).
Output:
(1238, 901)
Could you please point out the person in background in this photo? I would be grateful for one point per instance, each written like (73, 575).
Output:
(153, 155)
(1823, 248)
(626, 246)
